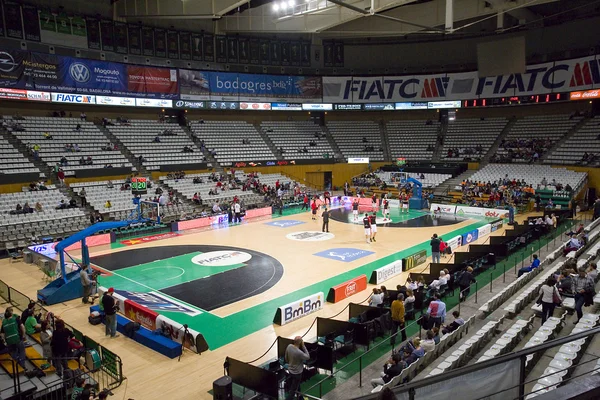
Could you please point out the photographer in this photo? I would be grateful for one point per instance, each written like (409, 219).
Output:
(110, 310)
(87, 283)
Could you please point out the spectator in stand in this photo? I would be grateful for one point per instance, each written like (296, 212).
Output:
(436, 311)
(108, 204)
(584, 291)
(60, 346)
(110, 309)
(454, 325)
(410, 296)
(549, 298)
(83, 116)
(376, 299)
(391, 369)
(109, 184)
(579, 231)
(82, 195)
(397, 314)
(215, 208)
(592, 271)
(565, 282)
(464, 283)
(46, 339)
(574, 244)
(429, 343)
(534, 264)
(14, 336)
(38, 207)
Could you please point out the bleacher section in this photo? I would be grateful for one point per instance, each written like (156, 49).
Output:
(88, 138)
(13, 162)
(138, 136)
(532, 174)
(429, 181)
(410, 139)
(585, 140)
(552, 127)
(474, 133)
(226, 139)
(48, 222)
(349, 137)
(294, 136)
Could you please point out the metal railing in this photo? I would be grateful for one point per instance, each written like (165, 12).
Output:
(108, 376)
(527, 251)
(412, 387)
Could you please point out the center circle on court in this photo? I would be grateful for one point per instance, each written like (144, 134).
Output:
(221, 258)
(310, 236)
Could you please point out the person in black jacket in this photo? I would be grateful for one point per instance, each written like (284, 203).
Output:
(464, 282)
(392, 368)
(110, 311)
(60, 346)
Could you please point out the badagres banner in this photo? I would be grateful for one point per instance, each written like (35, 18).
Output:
(552, 77)
(47, 72)
(226, 86)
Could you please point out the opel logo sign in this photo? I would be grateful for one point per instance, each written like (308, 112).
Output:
(7, 62)
(79, 72)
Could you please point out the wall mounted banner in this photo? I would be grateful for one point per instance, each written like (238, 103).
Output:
(414, 260)
(386, 272)
(443, 208)
(298, 309)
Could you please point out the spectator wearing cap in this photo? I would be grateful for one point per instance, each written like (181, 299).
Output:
(110, 311)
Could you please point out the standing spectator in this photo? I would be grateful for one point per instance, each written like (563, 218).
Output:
(46, 339)
(583, 286)
(110, 311)
(397, 311)
(325, 216)
(237, 211)
(464, 282)
(376, 298)
(437, 311)
(14, 336)
(60, 346)
(549, 297)
(435, 248)
(295, 355)
(87, 284)
(61, 176)
(83, 116)
(82, 195)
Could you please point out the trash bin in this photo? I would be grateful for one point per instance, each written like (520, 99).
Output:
(27, 256)
(223, 389)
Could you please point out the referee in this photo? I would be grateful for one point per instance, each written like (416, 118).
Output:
(325, 216)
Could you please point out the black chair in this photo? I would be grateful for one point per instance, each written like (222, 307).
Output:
(409, 310)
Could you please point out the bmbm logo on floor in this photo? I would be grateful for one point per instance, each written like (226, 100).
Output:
(344, 254)
(285, 223)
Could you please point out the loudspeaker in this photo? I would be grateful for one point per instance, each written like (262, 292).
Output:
(222, 389)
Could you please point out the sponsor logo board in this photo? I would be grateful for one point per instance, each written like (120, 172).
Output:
(484, 230)
(284, 223)
(147, 239)
(414, 260)
(73, 98)
(347, 289)
(455, 242)
(157, 302)
(298, 309)
(443, 208)
(386, 272)
(470, 237)
(138, 313)
(496, 225)
(310, 236)
(344, 254)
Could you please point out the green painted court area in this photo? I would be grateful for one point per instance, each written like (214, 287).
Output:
(169, 272)
(219, 331)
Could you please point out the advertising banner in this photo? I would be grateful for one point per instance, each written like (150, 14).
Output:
(484, 230)
(470, 237)
(298, 309)
(147, 41)
(255, 106)
(159, 103)
(31, 23)
(134, 32)
(194, 341)
(140, 314)
(73, 98)
(347, 289)
(414, 260)
(14, 20)
(115, 101)
(386, 272)
(481, 212)
(226, 86)
(107, 35)
(161, 81)
(496, 225)
(442, 208)
(455, 242)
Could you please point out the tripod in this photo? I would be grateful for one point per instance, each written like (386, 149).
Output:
(186, 335)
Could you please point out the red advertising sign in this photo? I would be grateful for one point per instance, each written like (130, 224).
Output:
(13, 94)
(588, 94)
(151, 80)
(141, 314)
(347, 289)
(146, 239)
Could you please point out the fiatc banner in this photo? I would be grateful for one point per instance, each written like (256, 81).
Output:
(225, 86)
(47, 72)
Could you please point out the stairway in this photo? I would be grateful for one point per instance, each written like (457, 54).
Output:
(439, 144)
(387, 153)
(22, 147)
(562, 140)
(210, 159)
(267, 140)
(494, 148)
(336, 150)
(124, 150)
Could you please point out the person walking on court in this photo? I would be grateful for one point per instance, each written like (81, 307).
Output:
(397, 310)
(355, 209)
(435, 248)
(237, 211)
(367, 225)
(325, 216)
(110, 311)
(373, 218)
(295, 355)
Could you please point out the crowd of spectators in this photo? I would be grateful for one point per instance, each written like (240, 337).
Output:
(499, 193)
(469, 153)
(529, 150)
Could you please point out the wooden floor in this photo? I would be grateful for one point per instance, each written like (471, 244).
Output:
(153, 376)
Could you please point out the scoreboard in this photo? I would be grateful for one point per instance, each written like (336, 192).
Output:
(139, 185)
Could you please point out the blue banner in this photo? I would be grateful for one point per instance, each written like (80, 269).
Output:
(470, 237)
(227, 86)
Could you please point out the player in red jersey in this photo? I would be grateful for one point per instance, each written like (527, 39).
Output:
(355, 209)
(373, 219)
(367, 225)
(314, 208)
(386, 210)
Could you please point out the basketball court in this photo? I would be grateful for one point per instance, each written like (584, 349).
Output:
(228, 283)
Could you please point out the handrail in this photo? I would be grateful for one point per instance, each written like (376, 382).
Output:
(411, 386)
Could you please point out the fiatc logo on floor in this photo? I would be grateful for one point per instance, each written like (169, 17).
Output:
(344, 254)
(310, 236)
(285, 223)
(221, 258)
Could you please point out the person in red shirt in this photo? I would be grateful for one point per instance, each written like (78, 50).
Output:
(61, 176)
(314, 208)
(327, 197)
(386, 210)
(305, 203)
(374, 202)
(443, 248)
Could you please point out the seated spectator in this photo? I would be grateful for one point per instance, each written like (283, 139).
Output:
(392, 368)
(436, 334)
(47, 135)
(216, 208)
(61, 205)
(573, 245)
(82, 160)
(577, 232)
(428, 344)
(88, 161)
(454, 325)
(141, 159)
(64, 161)
(188, 149)
(108, 204)
(156, 140)
(410, 296)
(109, 185)
(534, 264)
(76, 348)
(72, 203)
(376, 299)
(76, 148)
(27, 208)
(565, 282)
(38, 207)
(83, 116)
(197, 199)
(592, 271)
(108, 165)
(78, 127)
(32, 325)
